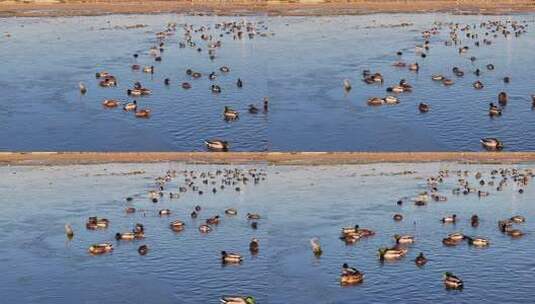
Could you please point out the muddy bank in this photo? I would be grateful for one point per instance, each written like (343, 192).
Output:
(52, 8)
(279, 158)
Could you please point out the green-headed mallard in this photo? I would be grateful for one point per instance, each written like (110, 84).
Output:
(451, 281)
(230, 258)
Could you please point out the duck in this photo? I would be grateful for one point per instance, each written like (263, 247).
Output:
(102, 74)
(82, 88)
(515, 233)
(399, 64)
(205, 228)
(491, 143)
(143, 113)
(457, 236)
(423, 107)
(224, 69)
(392, 253)
(449, 219)
(101, 248)
(164, 212)
(253, 109)
(69, 232)
(447, 82)
(391, 100)
(502, 98)
(414, 67)
(474, 220)
(490, 66)
(186, 85)
(494, 110)
(177, 225)
(375, 101)
(404, 239)
(217, 144)
(97, 223)
(231, 211)
(254, 246)
(108, 81)
(143, 249)
(237, 300)
(397, 217)
(451, 281)
(437, 77)
(450, 241)
(350, 275)
(397, 89)
(127, 236)
(420, 259)
(505, 225)
(316, 247)
(518, 219)
(347, 85)
(478, 241)
(131, 106)
(110, 103)
(253, 216)
(215, 89)
(148, 69)
(478, 85)
(196, 75)
(214, 220)
(230, 114)
(230, 258)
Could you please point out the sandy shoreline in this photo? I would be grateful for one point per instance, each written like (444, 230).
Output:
(278, 158)
(54, 8)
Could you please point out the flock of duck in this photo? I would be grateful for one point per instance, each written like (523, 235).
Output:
(460, 35)
(193, 38)
(196, 182)
(219, 180)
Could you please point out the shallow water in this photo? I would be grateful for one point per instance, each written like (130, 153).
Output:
(39, 265)
(300, 68)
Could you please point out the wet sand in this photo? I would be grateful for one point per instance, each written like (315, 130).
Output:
(278, 158)
(52, 8)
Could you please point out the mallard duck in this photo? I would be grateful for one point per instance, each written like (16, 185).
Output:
(404, 239)
(164, 212)
(375, 101)
(451, 281)
(131, 106)
(100, 248)
(224, 69)
(457, 236)
(143, 249)
(316, 247)
(423, 107)
(347, 85)
(127, 236)
(397, 217)
(177, 225)
(230, 114)
(505, 225)
(108, 81)
(396, 89)
(253, 216)
(392, 253)
(237, 300)
(518, 219)
(69, 232)
(230, 258)
(196, 75)
(391, 100)
(254, 246)
(420, 259)
(490, 143)
(447, 82)
(450, 241)
(231, 211)
(494, 110)
(449, 219)
(214, 220)
(143, 113)
(82, 88)
(478, 241)
(216, 144)
(110, 103)
(437, 77)
(148, 69)
(502, 98)
(205, 228)
(102, 74)
(186, 85)
(515, 233)
(478, 85)
(350, 275)
(97, 223)
(414, 67)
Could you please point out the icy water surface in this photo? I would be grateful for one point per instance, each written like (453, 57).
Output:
(300, 68)
(39, 265)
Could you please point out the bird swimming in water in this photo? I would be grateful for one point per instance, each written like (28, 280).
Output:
(316, 247)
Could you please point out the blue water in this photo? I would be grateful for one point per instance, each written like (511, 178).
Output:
(39, 265)
(300, 68)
